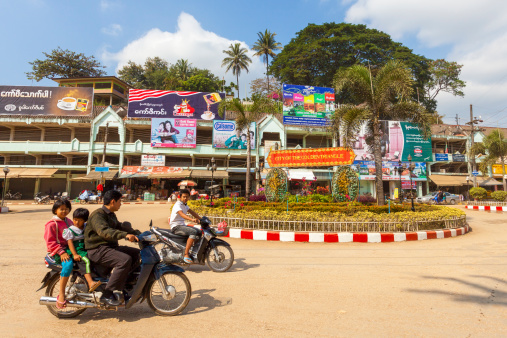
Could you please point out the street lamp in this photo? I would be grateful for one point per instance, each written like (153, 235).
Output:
(6, 171)
(213, 168)
(411, 167)
(401, 169)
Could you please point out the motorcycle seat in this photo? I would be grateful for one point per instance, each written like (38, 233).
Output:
(169, 234)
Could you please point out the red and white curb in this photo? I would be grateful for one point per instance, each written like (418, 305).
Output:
(486, 207)
(78, 203)
(343, 237)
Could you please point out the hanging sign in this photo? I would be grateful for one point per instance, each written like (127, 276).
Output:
(320, 157)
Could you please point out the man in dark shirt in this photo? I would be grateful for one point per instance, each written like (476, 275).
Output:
(102, 232)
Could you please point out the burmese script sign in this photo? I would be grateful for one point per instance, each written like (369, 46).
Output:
(59, 101)
(320, 157)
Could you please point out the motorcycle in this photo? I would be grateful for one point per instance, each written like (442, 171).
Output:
(39, 199)
(216, 253)
(11, 196)
(164, 286)
(86, 198)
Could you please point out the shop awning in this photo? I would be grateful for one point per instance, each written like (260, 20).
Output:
(31, 172)
(448, 180)
(487, 181)
(181, 174)
(301, 174)
(207, 174)
(95, 176)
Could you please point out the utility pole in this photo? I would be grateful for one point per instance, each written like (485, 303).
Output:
(472, 123)
(104, 153)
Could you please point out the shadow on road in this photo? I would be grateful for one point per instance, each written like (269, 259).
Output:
(202, 301)
(238, 265)
(494, 294)
(29, 211)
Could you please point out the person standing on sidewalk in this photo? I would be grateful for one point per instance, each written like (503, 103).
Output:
(102, 233)
(100, 190)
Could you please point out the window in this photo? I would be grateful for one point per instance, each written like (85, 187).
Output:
(118, 88)
(85, 85)
(103, 85)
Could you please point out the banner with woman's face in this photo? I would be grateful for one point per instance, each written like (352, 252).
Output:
(173, 133)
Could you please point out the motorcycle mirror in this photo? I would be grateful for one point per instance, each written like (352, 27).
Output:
(151, 223)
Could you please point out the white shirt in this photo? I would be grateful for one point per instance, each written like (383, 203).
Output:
(67, 234)
(175, 218)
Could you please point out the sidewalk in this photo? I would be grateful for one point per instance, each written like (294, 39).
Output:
(21, 202)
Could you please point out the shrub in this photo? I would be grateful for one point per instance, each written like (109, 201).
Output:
(322, 190)
(257, 198)
(367, 199)
(499, 195)
(478, 193)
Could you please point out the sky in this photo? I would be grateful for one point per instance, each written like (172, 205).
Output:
(470, 32)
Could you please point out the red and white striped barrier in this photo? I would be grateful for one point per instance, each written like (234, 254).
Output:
(486, 207)
(343, 237)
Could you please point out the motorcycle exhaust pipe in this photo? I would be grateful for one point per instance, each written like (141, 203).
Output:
(52, 302)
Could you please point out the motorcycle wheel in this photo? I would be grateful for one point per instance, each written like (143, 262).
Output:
(46, 200)
(82, 201)
(225, 258)
(178, 286)
(52, 291)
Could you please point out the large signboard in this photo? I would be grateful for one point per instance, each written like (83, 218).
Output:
(59, 101)
(320, 157)
(307, 105)
(173, 133)
(366, 170)
(442, 157)
(398, 140)
(226, 135)
(153, 160)
(458, 158)
(497, 169)
(145, 170)
(174, 104)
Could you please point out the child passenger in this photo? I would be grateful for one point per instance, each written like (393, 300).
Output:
(74, 235)
(56, 245)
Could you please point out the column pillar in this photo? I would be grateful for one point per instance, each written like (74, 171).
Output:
(37, 186)
(11, 135)
(69, 184)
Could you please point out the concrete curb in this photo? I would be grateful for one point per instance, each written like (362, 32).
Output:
(486, 207)
(21, 203)
(343, 237)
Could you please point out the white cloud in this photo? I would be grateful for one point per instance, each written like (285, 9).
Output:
(106, 5)
(113, 29)
(475, 32)
(204, 49)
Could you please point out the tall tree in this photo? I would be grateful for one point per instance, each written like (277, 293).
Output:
(183, 69)
(245, 114)
(387, 95)
(495, 147)
(266, 46)
(66, 64)
(237, 60)
(260, 87)
(133, 74)
(151, 75)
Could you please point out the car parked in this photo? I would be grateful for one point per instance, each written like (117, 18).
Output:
(430, 198)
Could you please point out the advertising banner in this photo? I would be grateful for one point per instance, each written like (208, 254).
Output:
(153, 160)
(458, 158)
(148, 170)
(497, 169)
(366, 170)
(173, 133)
(268, 146)
(310, 157)
(227, 136)
(174, 104)
(307, 105)
(398, 140)
(405, 185)
(58, 101)
(442, 157)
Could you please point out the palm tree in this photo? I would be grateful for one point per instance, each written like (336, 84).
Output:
(236, 60)
(495, 146)
(265, 47)
(384, 96)
(245, 114)
(183, 69)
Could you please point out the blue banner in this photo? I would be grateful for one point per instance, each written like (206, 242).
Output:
(442, 157)
(307, 105)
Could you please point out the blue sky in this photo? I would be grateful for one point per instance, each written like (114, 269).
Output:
(117, 31)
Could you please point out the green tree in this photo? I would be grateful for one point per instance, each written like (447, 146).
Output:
(151, 75)
(65, 64)
(266, 46)
(495, 147)
(387, 95)
(201, 83)
(245, 114)
(133, 74)
(237, 60)
(183, 69)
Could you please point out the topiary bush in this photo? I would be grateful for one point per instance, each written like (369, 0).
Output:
(499, 196)
(478, 193)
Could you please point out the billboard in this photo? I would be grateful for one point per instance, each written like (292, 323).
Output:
(153, 160)
(173, 133)
(366, 170)
(59, 101)
(227, 136)
(174, 104)
(398, 140)
(320, 157)
(307, 105)
(442, 157)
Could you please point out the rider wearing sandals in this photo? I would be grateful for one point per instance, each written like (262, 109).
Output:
(177, 222)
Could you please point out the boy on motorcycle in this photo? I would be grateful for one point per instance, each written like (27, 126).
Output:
(177, 222)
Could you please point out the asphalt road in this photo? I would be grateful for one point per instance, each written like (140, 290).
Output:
(446, 287)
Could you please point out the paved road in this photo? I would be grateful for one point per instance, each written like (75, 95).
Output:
(446, 287)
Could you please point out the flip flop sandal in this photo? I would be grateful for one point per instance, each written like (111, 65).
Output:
(95, 286)
(63, 304)
(188, 260)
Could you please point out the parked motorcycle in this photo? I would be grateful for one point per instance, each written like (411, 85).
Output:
(60, 195)
(39, 199)
(11, 196)
(164, 286)
(216, 253)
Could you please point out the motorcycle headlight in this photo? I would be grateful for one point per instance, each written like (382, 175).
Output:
(208, 235)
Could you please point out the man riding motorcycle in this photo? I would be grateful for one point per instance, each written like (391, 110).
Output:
(102, 232)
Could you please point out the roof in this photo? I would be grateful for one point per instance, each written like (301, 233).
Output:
(85, 78)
